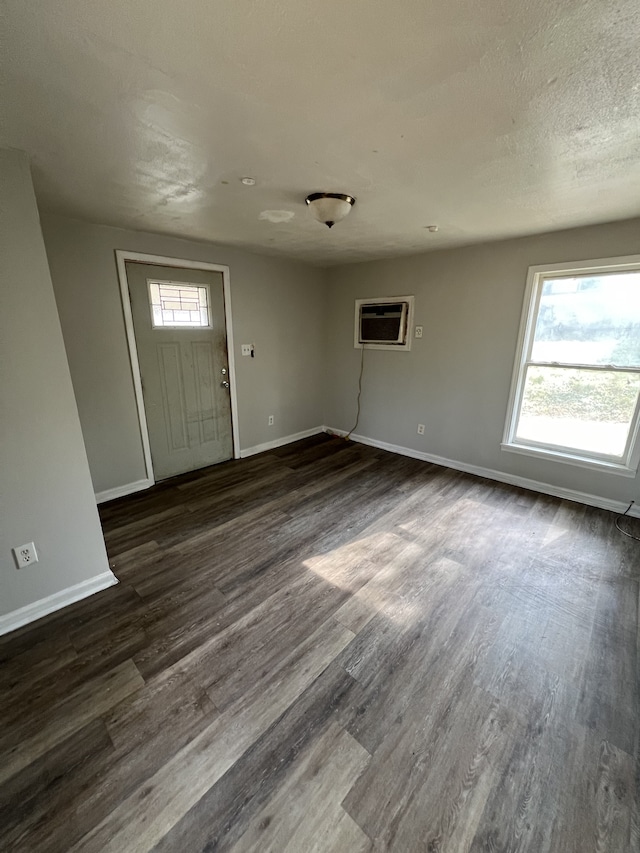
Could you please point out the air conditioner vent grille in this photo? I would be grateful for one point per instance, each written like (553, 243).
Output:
(384, 322)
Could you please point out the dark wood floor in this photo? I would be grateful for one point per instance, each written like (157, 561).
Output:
(331, 648)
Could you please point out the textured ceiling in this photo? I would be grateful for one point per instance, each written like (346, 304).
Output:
(490, 119)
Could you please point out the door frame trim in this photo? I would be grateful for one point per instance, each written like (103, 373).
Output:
(122, 257)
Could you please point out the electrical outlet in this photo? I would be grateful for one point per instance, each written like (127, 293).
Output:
(418, 332)
(270, 420)
(25, 555)
(420, 429)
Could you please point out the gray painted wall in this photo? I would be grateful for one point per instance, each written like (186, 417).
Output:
(456, 379)
(45, 487)
(277, 305)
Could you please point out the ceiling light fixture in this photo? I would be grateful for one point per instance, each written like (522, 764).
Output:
(248, 182)
(330, 207)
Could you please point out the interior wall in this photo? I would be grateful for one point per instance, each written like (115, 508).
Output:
(456, 379)
(45, 487)
(277, 305)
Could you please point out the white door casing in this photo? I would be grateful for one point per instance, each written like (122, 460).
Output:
(187, 419)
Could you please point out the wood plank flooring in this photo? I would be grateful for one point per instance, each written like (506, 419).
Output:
(331, 648)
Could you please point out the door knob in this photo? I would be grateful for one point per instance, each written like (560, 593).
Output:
(225, 384)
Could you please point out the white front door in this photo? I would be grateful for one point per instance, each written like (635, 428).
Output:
(180, 330)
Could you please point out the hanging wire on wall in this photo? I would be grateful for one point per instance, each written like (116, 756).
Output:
(624, 532)
(348, 435)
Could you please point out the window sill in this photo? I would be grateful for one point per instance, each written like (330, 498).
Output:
(570, 458)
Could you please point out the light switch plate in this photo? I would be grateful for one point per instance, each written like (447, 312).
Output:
(246, 349)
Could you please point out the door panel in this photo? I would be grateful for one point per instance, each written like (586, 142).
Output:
(205, 381)
(182, 369)
(173, 402)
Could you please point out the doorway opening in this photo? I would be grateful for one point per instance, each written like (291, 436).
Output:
(179, 330)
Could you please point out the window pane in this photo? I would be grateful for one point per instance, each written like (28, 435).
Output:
(590, 319)
(178, 305)
(588, 410)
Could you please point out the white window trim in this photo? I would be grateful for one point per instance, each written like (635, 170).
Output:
(628, 465)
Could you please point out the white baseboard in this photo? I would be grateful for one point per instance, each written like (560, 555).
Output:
(491, 474)
(38, 609)
(280, 442)
(139, 485)
(122, 491)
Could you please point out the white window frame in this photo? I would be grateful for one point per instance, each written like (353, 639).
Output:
(627, 465)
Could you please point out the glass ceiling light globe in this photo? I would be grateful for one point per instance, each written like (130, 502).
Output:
(330, 208)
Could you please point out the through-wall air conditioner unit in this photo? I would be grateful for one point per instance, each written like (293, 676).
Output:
(384, 322)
